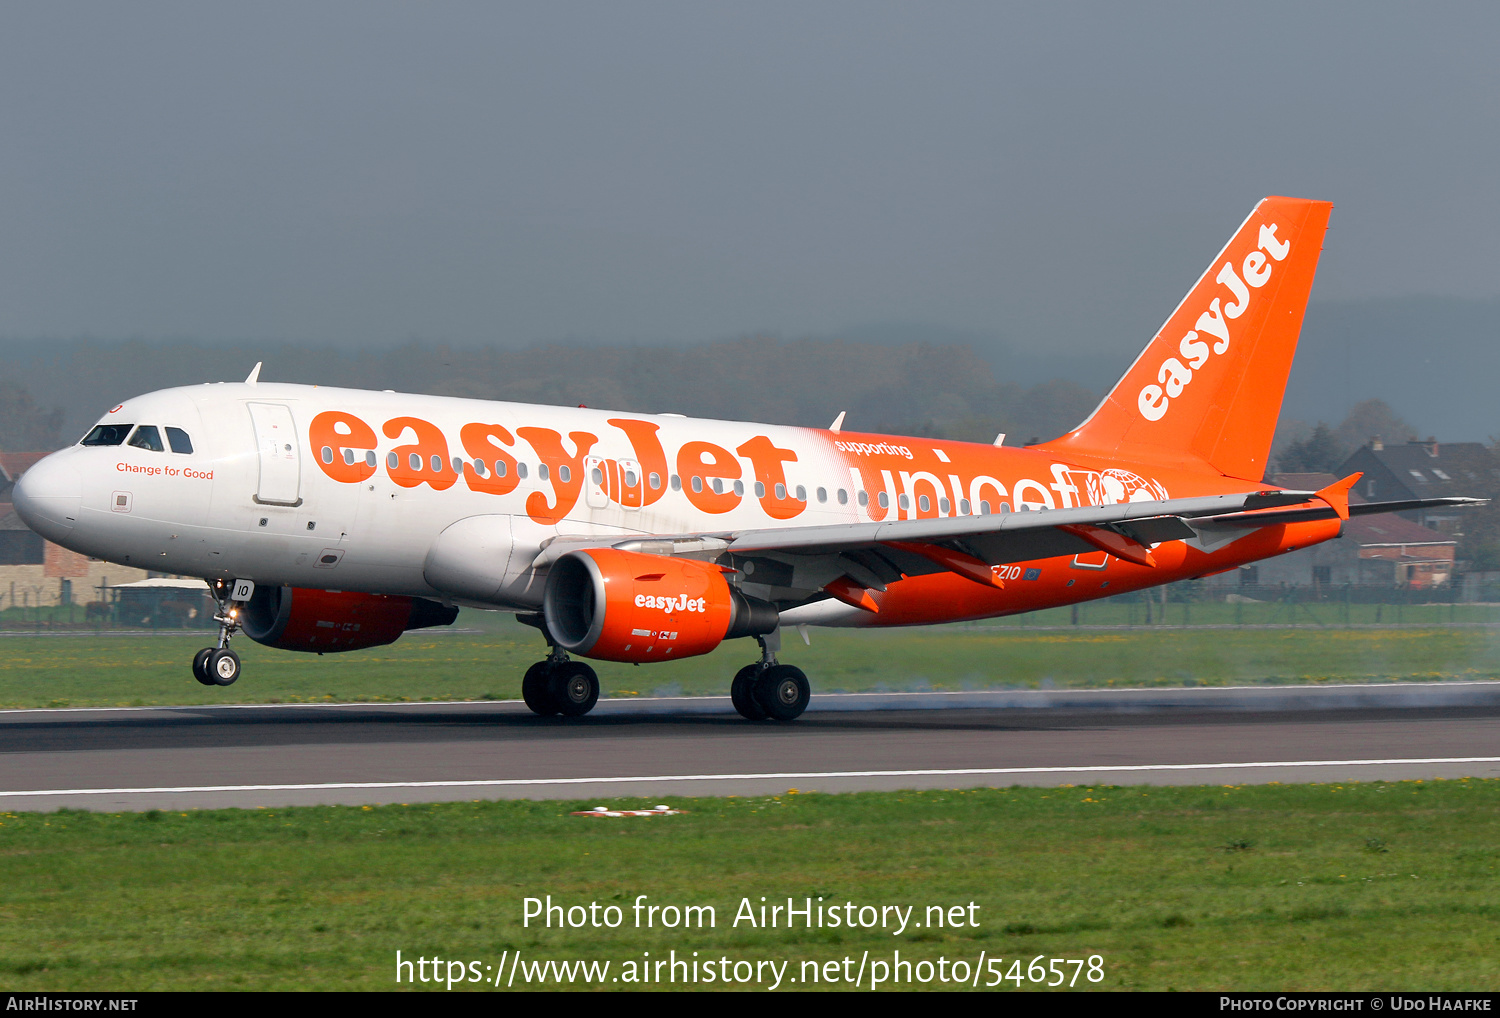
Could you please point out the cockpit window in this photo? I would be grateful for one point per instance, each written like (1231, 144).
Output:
(107, 434)
(147, 437)
(179, 441)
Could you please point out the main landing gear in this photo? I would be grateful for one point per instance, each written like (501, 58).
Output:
(560, 686)
(764, 691)
(767, 690)
(220, 666)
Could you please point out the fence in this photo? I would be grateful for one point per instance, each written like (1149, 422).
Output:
(160, 608)
(1193, 603)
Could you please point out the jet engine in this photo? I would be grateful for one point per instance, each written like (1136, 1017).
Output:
(628, 606)
(324, 621)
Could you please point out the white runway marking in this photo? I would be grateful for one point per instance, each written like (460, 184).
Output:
(768, 776)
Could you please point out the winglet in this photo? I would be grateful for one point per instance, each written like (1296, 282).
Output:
(838, 422)
(254, 375)
(852, 594)
(1337, 494)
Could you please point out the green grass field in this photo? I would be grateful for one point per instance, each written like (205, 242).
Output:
(115, 670)
(1357, 886)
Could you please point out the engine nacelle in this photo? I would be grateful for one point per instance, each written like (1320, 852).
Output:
(628, 606)
(325, 621)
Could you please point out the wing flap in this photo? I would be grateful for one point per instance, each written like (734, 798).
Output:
(975, 529)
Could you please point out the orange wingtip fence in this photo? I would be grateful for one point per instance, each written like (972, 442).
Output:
(605, 811)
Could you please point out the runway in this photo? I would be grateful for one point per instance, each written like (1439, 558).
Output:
(279, 755)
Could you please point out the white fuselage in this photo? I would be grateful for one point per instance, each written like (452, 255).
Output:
(455, 499)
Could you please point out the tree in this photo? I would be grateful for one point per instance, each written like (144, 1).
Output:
(1325, 448)
(25, 427)
(1373, 418)
(1318, 453)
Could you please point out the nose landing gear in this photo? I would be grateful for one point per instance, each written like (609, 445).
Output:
(220, 666)
(768, 690)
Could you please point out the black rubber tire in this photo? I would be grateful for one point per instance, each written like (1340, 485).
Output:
(536, 689)
(782, 692)
(222, 667)
(200, 666)
(574, 688)
(742, 694)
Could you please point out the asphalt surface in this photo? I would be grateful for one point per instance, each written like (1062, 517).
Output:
(197, 757)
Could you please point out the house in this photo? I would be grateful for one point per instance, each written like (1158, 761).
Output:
(12, 466)
(37, 573)
(1427, 469)
(1379, 550)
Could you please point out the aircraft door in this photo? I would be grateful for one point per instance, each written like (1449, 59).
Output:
(596, 482)
(630, 484)
(280, 464)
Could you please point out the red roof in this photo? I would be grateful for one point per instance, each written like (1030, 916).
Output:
(14, 464)
(1388, 528)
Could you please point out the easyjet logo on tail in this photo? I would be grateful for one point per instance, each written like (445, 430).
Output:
(1175, 375)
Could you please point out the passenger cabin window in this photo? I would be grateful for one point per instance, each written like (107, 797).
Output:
(147, 437)
(179, 441)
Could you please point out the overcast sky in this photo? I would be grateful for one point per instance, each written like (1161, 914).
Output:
(1056, 174)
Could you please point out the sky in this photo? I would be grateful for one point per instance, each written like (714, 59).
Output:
(1053, 176)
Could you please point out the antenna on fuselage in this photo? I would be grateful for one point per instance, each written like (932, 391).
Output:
(838, 422)
(999, 439)
(254, 375)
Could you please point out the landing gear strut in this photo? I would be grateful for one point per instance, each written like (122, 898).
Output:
(218, 665)
(768, 690)
(559, 685)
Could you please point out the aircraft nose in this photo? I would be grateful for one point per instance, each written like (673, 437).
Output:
(47, 497)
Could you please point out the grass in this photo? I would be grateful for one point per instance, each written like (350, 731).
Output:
(1192, 609)
(1352, 886)
(119, 670)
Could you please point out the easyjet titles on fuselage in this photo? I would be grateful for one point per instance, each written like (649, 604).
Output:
(713, 479)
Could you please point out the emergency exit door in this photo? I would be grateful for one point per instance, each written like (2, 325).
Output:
(280, 465)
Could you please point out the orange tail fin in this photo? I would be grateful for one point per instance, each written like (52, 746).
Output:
(1207, 390)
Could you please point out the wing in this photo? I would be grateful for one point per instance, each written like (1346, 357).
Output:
(794, 565)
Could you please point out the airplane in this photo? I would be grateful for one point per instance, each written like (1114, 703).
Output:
(329, 519)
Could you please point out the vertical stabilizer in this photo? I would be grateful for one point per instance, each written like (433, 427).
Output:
(1207, 390)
